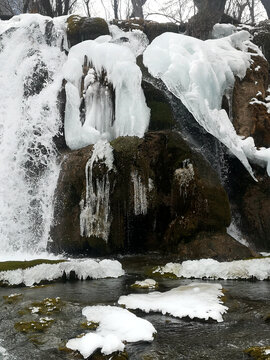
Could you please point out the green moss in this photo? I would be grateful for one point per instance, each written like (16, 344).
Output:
(89, 325)
(258, 353)
(153, 272)
(44, 307)
(13, 298)
(34, 326)
(14, 265)
(74, 23)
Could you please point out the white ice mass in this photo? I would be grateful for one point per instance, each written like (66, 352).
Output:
(83, 269)
(199, 73)
(195, 300)
(213, 269)
(110, 97)
(116, 325)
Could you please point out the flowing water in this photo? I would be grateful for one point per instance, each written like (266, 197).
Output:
(244, 325)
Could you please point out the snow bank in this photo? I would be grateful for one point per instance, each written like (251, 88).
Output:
(195, 301)
(209, 268)
(48, 272)
(199, 73)
(106, 112)
(116, 325)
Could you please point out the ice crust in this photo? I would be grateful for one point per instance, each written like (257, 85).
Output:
(83, 269)
(199, 73)
(212, 269)
(116, 325)
(195, 300)
(104, 117)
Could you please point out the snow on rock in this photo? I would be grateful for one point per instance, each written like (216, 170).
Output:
(137, 40)
(48, 272)
(222, 30)
(110, 102)
(209, 268)
(195, 300)
(116, 325)
(95, 209)
(145, 284)
(199, 73)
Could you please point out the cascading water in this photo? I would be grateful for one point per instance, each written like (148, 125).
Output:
(30, 75)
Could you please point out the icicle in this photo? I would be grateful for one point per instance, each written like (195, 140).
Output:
(95, 219)
(140, 194)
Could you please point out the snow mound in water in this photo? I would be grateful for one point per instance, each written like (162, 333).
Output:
(199, 73)
(116, 325)
(195, 301)
(48, 272)
(209, 268)
(111, 95)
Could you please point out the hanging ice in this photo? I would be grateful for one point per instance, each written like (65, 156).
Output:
(199, 73)
(109, 101)
(30, 77)
(140, 194)
(95, 210)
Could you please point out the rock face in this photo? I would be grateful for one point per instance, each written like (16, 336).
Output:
(161, 193)
(250, 116)
(256, 213)
(262, 37)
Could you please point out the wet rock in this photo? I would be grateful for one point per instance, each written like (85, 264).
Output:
(161, 193)
(250, 116)
(83, 28)
(256, 212)
(218, 246)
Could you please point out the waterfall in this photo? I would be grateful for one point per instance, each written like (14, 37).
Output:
(30, 75)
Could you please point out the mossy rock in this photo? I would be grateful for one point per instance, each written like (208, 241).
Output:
(44, 307)
(161, 116)
(114, 356)
(83, 28)
(90, 325)
(258, 352)
(14, 265)
(34, 326)
(12, 299)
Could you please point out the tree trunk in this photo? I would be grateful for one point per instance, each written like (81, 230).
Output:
(137, 6)
(115, 8)
(266, 4)
(209, 13)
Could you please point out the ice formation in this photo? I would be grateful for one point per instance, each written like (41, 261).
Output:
(30, 75)
(184, 176)
(116, 325)
(199, 73)
(195, 300)
(109, 101)
(95, 209)
(48, 272)
(145, 284)
(212, 269)
(140, 194)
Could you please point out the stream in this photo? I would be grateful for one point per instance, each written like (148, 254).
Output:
(244, 324)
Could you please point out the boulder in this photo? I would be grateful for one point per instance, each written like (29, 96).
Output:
(85, 28)
(261, 37)
(218, 246)
(160, 193)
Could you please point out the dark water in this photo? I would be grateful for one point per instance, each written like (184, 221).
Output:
(243, 326)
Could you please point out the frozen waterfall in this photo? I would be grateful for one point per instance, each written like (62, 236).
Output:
(30, 75)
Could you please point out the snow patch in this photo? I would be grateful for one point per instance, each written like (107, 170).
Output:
(195, 300)
(116, 325)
